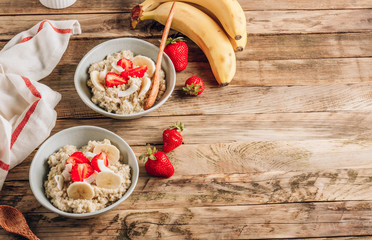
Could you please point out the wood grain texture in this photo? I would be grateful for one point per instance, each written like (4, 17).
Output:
(219, 189)
(258, 22)
(254, 156)
(238, 128)
(291, 220)
(248, 100)
(96, 6)
(270, 47)
(284, 152)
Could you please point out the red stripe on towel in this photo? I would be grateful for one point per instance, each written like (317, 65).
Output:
(28, 114)
(23, 123)
(58, 30)
(4, 166)
(32, 88)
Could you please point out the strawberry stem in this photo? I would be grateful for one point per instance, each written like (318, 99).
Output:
(149, 155)
(174, 40)
(179, 126)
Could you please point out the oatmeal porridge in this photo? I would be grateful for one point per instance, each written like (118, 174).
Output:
(87, 179)
(122, 82)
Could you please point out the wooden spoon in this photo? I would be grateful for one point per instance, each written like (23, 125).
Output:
(155, 80)
(13, 221)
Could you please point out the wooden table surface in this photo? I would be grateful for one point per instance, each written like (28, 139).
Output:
(284, 151)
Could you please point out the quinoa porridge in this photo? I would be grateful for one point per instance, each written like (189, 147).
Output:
(122, 82)
(87, 179)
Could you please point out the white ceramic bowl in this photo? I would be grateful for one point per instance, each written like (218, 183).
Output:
(57, 4)
(137, 46)
(78, 136)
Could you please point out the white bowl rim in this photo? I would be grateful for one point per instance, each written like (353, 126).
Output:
(96, 108)
(90, 214)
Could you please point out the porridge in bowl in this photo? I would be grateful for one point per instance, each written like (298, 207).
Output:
(122, 82)
(87, 179)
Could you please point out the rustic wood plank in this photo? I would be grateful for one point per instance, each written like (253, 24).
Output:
(100, 6)
(259, 221)
(283, 73)
(258, 22)
(268, 47)
(245, 100)
(254, 156)
(228, 189)
(240, 128)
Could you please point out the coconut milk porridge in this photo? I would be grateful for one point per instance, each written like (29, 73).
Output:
(87, 179)
(122, 82)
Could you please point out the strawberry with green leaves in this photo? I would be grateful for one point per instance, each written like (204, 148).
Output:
(157, 163)
(172, 137)
(178, 51)
(194, 86)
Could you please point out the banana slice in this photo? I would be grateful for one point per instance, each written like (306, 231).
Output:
(146, 84)
(113, 154)
(80, 190)
(95, 78)
(108, 180)
(59, 180)
(140, 60)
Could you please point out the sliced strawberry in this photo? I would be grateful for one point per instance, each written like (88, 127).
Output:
(77, 157)
(113, 79)
(81, 171)
(101, 156)
(125, 63)
(137, 72)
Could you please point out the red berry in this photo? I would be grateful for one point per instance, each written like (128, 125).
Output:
(178, 51)
(172, 137)
(194, 86)
(137, 72)
(100, 156)
(81, 171)
(77, 157)
(113, 79)
(157, 164)
(125, 63)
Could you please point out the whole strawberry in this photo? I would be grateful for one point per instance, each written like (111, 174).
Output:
(172, 137)
(194, 86)
(157, 164)
(178, 52)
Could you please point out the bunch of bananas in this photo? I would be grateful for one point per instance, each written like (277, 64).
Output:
(218, 27)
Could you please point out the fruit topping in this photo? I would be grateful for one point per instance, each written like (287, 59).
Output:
(80, 190)
(81, 171)
(145, 87)
(77, 157)
(97, 81)
(140, 60)
(108, 180)
(113, 79)
(113, 154)
(125, 63)
(59, 180)
(100, 162)
(137, 72)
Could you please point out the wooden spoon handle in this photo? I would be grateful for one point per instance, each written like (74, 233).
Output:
(155, 80)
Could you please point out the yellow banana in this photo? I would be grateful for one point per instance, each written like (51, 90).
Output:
(201, 29)
(228, 12)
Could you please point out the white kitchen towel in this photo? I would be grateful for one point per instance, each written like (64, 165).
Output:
(27, 113)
